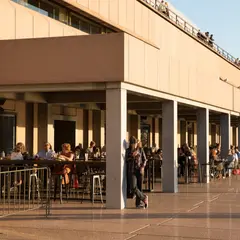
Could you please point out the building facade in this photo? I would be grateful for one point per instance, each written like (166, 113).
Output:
(82, 70)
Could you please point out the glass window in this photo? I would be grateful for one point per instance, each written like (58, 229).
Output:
(85, 26)
(75, 21)
(48, 8)
(95, 29)
(63, 15)
(33, 2)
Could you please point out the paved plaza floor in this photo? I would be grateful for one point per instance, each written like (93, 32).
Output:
(198, 211)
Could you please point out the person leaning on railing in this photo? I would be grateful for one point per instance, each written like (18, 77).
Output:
(163, 7)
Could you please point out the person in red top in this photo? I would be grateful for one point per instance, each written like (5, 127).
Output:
(66, 155)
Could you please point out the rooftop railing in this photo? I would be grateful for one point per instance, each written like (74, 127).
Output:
(173, 17)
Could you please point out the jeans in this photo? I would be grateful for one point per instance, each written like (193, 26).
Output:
(137, 178)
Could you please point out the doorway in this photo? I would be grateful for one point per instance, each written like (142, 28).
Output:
(64, 132)
(7, 132)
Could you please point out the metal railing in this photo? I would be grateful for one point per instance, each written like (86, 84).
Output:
(24, 190)
(173, 17)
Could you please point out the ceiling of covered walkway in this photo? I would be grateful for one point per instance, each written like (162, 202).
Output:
(136, 103)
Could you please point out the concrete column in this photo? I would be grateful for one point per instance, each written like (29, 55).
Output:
(116, 128)
(45, 125)
(160, 132)
(213, 133)
(234, 136)
(151, 132)
(237, 142)
(35, 128)
(179, 133)
(194, 135)
(96, 123)
(29, 127)
(128, 134)
(183, 132)
(225, 121)
(217, 134)
(102, 131)
(210, 134)
(231, 135)
(157, 132)
(90, 126)
(79, 127)
(202, 140)
(135, 126)
(21, 122)
(85, 129)
(50, 125)
(238, 134)
(98, 127)
(169, 130)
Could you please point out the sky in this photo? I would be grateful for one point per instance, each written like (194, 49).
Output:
(219, 17)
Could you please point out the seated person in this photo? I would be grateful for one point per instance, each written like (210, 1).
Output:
(229, 161)
(159, 156)
(79, 151)
(67, 155)
(97, 153)
(19, 153)
(47, 153)
(103, 152)
(91, 149)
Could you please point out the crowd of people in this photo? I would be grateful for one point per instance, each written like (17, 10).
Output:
(223, 165)
(162, 6)
(237, 62)
(206, 37)
(137, 157)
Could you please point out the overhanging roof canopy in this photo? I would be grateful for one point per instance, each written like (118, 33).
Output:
(74, 59)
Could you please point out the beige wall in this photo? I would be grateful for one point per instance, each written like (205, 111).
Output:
(190, 73)
(17, 21)
(21, 122)
(177, 64)
(181, 67)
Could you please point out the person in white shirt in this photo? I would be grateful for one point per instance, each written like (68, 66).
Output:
(235, 158)
(47, 153)
(19, 153)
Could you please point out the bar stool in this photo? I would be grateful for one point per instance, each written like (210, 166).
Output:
(96, 179)
(92, 182)
(58, 181)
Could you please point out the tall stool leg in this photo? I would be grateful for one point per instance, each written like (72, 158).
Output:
(93, 188)
(38, 187)
(29, 187)
(100, 189)
(55, 187)
(60, 184)
(66, 187)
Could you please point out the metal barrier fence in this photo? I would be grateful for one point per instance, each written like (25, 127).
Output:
(165, 11)
(24, 190)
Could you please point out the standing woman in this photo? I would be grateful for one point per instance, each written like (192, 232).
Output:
(136, 163)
